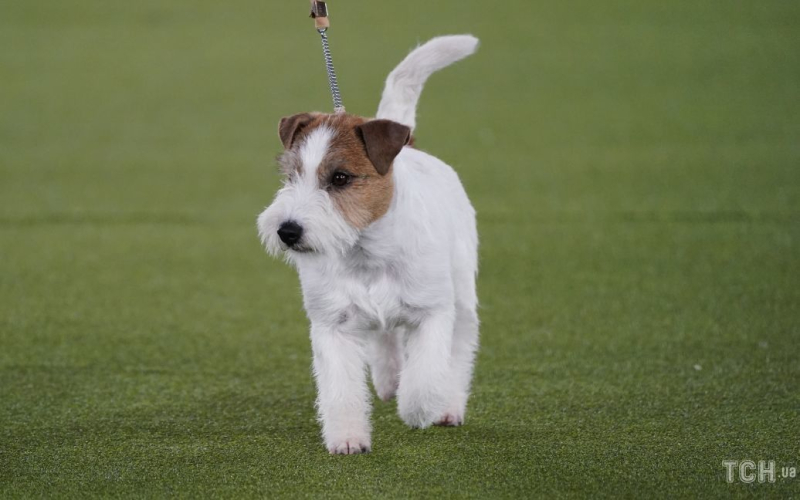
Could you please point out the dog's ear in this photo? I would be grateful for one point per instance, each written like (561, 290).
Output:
(383, 140)
(291, 125)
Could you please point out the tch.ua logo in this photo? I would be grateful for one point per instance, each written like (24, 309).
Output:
(747, 471)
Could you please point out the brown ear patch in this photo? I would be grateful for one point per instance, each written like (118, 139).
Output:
(383, 140)
(290, 126)
(361, 148)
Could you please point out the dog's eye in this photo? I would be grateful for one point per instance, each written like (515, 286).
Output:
(340, 179)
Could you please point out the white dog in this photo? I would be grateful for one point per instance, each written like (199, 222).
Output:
(385, 243)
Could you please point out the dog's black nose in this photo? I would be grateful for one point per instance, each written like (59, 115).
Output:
(290, 232)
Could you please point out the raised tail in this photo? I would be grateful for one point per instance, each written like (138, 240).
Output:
(405, 82)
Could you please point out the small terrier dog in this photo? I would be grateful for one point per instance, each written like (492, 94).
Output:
(384, 239)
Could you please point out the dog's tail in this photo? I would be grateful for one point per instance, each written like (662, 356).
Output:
(405, 82)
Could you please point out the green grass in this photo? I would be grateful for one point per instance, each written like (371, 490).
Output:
(636, 170)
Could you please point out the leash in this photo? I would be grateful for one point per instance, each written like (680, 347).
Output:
(319, 12)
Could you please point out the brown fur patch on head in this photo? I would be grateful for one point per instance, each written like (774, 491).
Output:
(368, 194)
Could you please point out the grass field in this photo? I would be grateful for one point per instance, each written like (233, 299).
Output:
(636, 170)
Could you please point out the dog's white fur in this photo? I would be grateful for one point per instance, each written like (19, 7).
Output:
(405, 82)
(398, 295)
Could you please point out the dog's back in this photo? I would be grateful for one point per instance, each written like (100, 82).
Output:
(424, 182)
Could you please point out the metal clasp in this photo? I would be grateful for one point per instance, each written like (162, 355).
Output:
(318, 9)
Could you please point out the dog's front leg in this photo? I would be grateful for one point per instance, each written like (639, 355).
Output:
(343, 395)
(425, 384)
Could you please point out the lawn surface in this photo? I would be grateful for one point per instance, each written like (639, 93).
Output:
(635, 165)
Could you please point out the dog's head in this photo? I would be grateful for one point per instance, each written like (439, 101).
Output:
(337, 181)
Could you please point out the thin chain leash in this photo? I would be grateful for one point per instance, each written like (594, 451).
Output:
(319, 12)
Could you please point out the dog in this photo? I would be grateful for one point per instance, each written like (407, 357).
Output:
(385, 243)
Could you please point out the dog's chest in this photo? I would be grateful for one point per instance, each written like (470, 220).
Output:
(361, 298)
(375, 302)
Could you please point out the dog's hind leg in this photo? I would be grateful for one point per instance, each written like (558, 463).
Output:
(385, 356)
(465, 343)
(465, 340)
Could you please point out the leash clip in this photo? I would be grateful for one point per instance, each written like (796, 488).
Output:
(318, 9)
(319, 13)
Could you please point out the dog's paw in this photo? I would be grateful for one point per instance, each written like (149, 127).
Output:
(352, 446)
(386, 390)
(418, 415)
(385, 379)
(450, 420)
